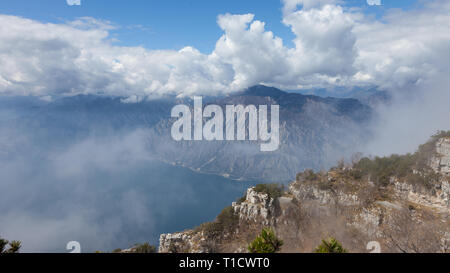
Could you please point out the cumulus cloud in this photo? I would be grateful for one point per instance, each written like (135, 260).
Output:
(325, 44)
(409, 47)
(406, 53)
(334, 46)
(254, 54)
(74, 2)
(290, 6)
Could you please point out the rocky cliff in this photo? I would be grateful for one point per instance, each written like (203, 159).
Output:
(405, 209)
(314, 133)
(440, 162)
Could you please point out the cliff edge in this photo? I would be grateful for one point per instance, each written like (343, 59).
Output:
(402, 202)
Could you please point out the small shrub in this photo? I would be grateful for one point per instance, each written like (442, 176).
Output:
(310, 175)
(241, 199)
(3, 244)
(381, 169)
(14, 246)
(330, 246)
(210, 229)
(226, 221)
(325, 185)
(266, 242)
(272, 190)
(426, 150)
(356, 174)
(144, 248)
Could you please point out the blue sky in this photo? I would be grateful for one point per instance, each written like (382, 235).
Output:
(171, 24)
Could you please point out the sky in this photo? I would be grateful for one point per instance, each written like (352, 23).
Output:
(172, 24)
(146, 49)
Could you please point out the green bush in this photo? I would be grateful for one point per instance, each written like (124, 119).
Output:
(426, 150)
(272, 190)
(3, 244)
(330, 246)
(356, 174)
(211, 229)
(144, 248)
(266, 242)
(307, 175)
(226, 221)
(325, 186)
(380, 169)
(241, 199)
(14, 246)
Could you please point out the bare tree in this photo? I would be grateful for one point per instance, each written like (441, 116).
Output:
(404, 233)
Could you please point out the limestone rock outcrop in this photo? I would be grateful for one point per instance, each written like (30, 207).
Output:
(441, 161)
(257, 207)
(356, 201)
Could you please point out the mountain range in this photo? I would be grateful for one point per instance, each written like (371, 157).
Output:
(315, 131)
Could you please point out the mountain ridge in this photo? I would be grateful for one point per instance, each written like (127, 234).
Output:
(314, 131)
(407, 211)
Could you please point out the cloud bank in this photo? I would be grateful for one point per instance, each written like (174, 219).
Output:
(102, 190)
(334, 46)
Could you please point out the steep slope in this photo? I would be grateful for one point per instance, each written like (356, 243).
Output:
(402, 202)
(314, 133)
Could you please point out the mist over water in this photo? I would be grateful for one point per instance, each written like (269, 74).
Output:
(64, 178)
(105, 192)
(415, 113)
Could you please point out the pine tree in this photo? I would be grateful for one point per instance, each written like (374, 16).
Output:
(266, 242)
(14, 246)
(330, 246)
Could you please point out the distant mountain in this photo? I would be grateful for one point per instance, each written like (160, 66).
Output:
(314, 131)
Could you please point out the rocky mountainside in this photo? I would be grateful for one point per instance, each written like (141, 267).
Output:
(402, 202)
(314, 131)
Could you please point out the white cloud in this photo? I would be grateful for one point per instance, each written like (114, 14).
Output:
(407, 48)
(374, 2)
(325, 43)
(290, 6)
(333, 46)
(74, 2)
(254, 54)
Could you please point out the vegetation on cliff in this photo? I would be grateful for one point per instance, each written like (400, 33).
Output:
(272, 190)
(226, 221)
(330, 246)
(144, 248)
(400, 201)
(412, 168)
(266, 242)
